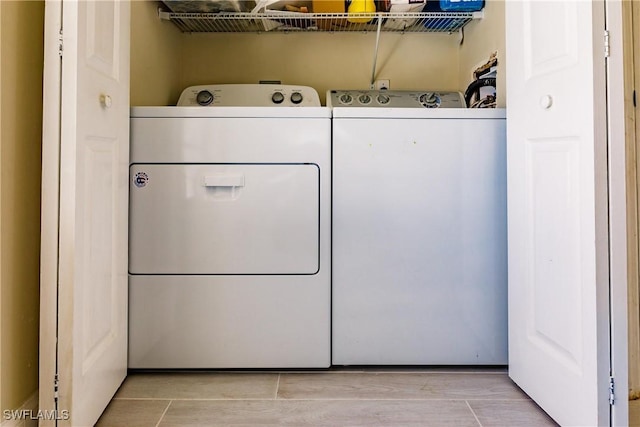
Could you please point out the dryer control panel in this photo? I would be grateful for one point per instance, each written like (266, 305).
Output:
(395, 99)
(249, 95)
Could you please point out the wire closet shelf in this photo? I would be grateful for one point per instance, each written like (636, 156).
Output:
(281, 21)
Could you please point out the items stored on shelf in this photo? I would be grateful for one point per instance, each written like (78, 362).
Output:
(309, 15)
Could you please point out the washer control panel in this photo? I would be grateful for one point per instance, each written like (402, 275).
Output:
(395, 99)
(249, 95)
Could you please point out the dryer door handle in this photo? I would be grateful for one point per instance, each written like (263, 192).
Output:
(223, 180)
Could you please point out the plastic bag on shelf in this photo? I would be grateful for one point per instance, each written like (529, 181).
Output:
(403, 6)
(209, 6)
(292, 12)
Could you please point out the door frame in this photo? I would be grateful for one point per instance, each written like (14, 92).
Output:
(50, 210)
(631, 17)
(618, 231)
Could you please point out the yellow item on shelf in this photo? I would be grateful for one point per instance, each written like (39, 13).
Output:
(329, 6)
(357, 7)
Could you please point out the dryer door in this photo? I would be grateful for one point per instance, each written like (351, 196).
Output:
(224, 219)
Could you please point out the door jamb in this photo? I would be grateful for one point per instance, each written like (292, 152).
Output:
(50, 211)
(617, 60)
(632, 127)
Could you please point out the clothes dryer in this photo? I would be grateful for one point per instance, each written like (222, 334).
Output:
(419, 230)
(229, 263)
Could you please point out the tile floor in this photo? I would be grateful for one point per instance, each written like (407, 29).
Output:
(424, 397)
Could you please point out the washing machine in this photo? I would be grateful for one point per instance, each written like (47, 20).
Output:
(419, 230)
(229, 247)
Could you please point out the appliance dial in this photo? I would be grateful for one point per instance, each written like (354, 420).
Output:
(345, 98)
(383, 99)
(430, 100)
(296, 97)
(277, 98)
(204, 98)
(364, 99)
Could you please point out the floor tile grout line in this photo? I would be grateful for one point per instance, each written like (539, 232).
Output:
(392, 372)
(474, 413)
(329, 372)
(277, 387)
(314, 399)
(164, 413)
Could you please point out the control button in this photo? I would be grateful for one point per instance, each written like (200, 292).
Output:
(364, 99)
(383, 99)
(277, 98)
(345, 98)
(430, 100)
(204, 97)
(296, 97)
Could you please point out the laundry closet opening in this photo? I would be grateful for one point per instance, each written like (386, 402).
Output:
(165, 61)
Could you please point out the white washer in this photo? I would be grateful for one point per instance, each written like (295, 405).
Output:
(229, 263)
(419, 230)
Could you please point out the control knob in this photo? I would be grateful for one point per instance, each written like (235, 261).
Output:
(383, 99)
(364, 99)
(296, 97)
(277, 98)
(346, 98)
(204, 98)
(430, 100)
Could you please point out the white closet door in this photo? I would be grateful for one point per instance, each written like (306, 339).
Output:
(557, 207)
(90, 258)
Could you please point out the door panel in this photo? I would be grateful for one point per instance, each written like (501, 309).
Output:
(103, 49)
(557, 204)
(99, 301)
(555, 248)
(224, 219)
(554, 49)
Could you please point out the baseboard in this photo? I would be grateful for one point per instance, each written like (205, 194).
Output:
(30, 406)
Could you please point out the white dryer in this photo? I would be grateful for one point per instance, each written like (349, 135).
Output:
(229, 253)
(419, 230)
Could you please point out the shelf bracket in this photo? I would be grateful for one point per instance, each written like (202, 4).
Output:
(164, 15)
(375, 54)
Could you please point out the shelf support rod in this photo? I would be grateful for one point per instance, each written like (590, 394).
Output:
(375, 53)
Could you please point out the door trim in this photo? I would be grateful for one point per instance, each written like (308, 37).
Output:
(617, 158)
(50, 208)
(631, 16)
